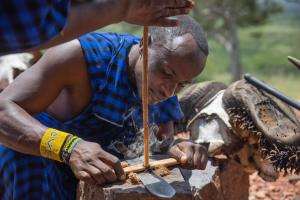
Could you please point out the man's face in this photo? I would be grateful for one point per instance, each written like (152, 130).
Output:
(171, 68)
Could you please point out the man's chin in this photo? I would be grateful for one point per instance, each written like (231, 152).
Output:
(155, 101)
(152, 100)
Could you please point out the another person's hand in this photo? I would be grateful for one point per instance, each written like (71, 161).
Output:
(156, 12)
(190, 155)
(91, 164)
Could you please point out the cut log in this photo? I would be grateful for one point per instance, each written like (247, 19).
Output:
(215, 182)
(127, 191)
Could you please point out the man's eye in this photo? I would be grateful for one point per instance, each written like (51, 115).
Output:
(183, 84)
(168, 74)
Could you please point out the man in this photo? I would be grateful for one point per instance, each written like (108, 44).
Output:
(90, 87)
(29, 24)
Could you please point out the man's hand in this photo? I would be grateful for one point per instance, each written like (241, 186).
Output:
(91, 164)
(156, 12)
(190, 155)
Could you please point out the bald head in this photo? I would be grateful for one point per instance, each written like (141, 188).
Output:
(176, 56)
(165, 36)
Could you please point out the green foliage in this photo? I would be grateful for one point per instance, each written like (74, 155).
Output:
(267, 53)
(123, 28)
(264, 51)
(215, 14)
(265, 46)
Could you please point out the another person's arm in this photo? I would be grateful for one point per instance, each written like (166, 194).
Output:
(92, 16)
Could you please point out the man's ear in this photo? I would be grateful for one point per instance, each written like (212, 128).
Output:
(141, 45)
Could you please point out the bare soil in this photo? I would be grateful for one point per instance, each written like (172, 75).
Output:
(285, 188)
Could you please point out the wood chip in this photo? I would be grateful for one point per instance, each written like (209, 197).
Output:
(162, 171)
(133, 179)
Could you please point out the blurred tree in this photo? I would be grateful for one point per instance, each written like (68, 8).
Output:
(222, 18)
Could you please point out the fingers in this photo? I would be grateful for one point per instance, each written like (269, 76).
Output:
(115, 163)
(155, 12)
(197, 160)
(204, 160)
(93, 173)
(85, 177)
(168, 12)
(200, 157)
(165, 22)
(105, 171)
(90, 163)
(96, 174)
(177, 3)
(190, 155)
(179, 155)
(165, 19)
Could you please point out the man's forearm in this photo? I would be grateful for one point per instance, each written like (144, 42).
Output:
(19, 130)
(166, 130)
(89, 17)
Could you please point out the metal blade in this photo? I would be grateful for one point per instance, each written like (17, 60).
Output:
(156, 185)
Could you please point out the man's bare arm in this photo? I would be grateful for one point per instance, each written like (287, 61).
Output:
(166, 130)
(189, 154)
(32, 92)
(92, 16)
(62, 67)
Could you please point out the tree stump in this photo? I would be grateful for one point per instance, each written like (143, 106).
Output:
(215, 182)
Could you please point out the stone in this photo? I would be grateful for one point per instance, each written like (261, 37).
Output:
(215, 182)
(204, 184)
(127, 191)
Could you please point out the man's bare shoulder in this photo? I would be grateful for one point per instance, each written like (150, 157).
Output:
(61, 67)
(66, 61)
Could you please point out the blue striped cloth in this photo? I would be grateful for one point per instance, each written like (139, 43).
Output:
(113, 114)
(29, 23)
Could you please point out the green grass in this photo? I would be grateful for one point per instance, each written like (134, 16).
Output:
(288, 84)
(265, 48)
(264, 51)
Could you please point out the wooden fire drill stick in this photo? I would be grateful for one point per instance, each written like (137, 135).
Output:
(166, 162)
(145, 97)
(146, 165)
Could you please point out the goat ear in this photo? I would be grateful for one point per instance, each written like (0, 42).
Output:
(141, 44)
(294, 61)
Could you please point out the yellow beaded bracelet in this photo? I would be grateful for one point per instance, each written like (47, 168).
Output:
(52, 142)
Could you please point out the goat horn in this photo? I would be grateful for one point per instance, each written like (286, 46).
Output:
(295, 61)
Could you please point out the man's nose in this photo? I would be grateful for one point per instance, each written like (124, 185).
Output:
(169, 88)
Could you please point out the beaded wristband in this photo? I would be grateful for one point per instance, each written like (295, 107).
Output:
(68, 147)
(52, 143)
(58, 145)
